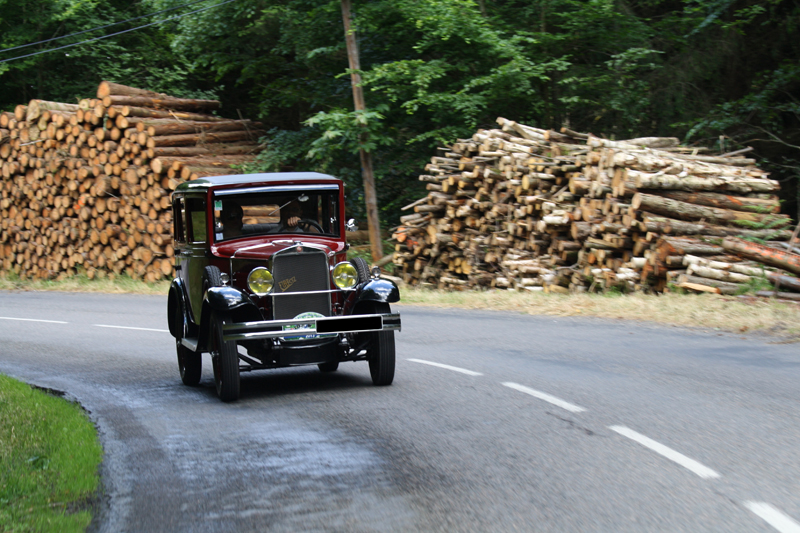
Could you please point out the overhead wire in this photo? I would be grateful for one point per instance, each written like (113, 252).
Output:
(101, 27)
(176, 17)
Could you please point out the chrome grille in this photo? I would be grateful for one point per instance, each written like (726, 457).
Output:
(296, 272)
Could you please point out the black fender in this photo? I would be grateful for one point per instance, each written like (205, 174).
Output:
(378, 290)
(178, 319)
(228, 300)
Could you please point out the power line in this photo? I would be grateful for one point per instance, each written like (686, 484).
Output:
(176, 17)
(100, 27)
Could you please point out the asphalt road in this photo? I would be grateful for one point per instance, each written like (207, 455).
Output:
(526, 424)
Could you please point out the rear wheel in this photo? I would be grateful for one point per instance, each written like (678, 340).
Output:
(190, 364)
(225, 359)
(381, 352)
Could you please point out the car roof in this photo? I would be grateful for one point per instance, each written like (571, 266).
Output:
(267, 178)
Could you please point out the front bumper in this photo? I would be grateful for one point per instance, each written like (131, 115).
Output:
(328, 325)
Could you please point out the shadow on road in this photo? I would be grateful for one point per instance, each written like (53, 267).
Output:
(265, 384)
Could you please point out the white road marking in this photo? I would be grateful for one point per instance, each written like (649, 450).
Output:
(773, 517)
(698, 468)
(129, 327)
(33, 320)
(447, 367)
(546, 397)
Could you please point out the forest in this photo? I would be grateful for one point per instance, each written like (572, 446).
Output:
(721, 74)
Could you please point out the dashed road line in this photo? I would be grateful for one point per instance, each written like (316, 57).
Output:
(33, 320)
(686, 462)
(130, 327)
(773, 517)
(545, 397)
(447, 367)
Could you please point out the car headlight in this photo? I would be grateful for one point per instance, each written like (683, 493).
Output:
(260, 281)
(345, 276)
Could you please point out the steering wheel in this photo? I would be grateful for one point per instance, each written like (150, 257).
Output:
(304, 225)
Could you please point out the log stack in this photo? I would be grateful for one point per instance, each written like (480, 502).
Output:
(86, 186)
(523, 208)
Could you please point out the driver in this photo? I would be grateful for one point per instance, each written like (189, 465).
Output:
(232, 220)
(291, 214)
(292, 219)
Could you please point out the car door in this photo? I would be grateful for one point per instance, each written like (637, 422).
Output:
(194, 256)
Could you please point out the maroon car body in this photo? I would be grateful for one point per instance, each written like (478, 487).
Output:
(263, 281)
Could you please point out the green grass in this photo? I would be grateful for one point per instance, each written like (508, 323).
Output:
(49, 457)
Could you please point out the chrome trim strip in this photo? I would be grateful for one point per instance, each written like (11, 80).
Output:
(300, 293)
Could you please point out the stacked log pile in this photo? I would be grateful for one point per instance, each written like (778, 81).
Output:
(87, 186)
(530, 209)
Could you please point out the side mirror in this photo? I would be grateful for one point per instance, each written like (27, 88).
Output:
(351, 225)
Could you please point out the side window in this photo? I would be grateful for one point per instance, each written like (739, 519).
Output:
(196, 217)
(179, 220)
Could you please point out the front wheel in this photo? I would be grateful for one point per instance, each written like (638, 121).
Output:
(190, 364)
(225, 359)
(381, 359)
(381, 352)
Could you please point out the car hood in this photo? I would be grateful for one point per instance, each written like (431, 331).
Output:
(261, 249)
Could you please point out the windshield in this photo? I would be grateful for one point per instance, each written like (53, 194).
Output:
(262, 213)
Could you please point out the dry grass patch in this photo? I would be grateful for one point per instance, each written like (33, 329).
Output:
(728, 313)
(81, 283)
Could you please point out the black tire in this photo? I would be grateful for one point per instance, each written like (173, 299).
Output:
(331, 366)
(212, 277)
(361, 267)
(225, 360)
(190, 364)
(381, 352)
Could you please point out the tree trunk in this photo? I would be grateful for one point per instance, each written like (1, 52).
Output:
(370, 196)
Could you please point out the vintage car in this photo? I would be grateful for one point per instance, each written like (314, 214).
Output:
(263, 281)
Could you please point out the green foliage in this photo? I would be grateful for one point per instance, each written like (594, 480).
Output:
(49, 455)
(141, 58)
(755, 284)
(721, 73)
(348, 131)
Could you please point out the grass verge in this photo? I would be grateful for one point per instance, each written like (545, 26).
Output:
(81, 283)
(49, 458)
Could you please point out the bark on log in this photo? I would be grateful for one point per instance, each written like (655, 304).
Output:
(107, 88)
(205, 138)
(725, 201)
(36, 107)
(723, 286)
(206, 150)
(764, 254)
(741, 184)
(787, 282)
(155, 127)
(782, 295)
(146, 112)
(687, 211)
(180, 104)
(659, 224)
